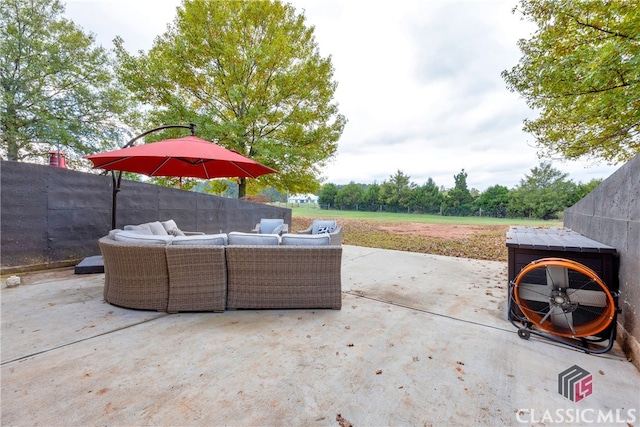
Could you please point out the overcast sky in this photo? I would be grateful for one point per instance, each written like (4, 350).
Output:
(418, 81)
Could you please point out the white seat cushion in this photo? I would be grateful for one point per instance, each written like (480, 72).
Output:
(142, 239)
(112, 233)
(201, 239)
(238, 238)
(306, 239)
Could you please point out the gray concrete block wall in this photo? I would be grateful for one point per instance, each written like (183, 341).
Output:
(23, 199)
(611, 214)
(52, 217)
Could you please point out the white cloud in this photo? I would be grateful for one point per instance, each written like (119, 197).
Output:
(419, 82)
(138, 22)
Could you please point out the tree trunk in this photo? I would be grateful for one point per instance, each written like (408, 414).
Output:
(10, 139)
(242, 188)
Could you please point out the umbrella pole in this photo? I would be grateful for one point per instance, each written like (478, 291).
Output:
(114, 193)
(116, 186)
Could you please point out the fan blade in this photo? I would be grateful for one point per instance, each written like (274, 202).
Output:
(588, 298)
(563, 319)
(557, 277)
(546, 316)
(534, 292)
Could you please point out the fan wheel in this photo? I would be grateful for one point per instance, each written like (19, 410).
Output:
(564, 298)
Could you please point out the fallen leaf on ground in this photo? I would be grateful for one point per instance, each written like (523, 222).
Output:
(343, 422)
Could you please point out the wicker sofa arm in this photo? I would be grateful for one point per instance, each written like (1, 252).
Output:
(335, 235)
(197, 278)
(133, 284)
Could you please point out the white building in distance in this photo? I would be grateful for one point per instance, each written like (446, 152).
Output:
(303, 199)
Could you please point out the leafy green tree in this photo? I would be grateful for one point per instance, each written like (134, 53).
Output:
(169, 181)
(349, 196)
(273, 195)
(427, 198)
(581, 190)
(58, 89)
(581, 70)
(250, 75)
(494, 201)
(371, 197)
(542, 194)
(218, 187)
(395, 192)
(459, 200)
(222, 187)
(327, 196)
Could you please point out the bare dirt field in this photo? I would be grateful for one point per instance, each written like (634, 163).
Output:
(467, 241)
(444, 231)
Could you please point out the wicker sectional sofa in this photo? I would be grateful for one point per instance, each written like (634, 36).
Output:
(284, 276)
(289, 272)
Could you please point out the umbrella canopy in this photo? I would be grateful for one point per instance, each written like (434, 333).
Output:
(189, 156)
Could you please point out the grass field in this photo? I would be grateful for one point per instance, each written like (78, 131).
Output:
(406, 217)
(466, 237)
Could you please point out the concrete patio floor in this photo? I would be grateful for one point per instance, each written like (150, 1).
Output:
(420, 340)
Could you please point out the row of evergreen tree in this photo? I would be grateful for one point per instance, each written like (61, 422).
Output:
(544, 193)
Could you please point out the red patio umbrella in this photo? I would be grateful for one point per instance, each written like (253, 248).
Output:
(188, 156)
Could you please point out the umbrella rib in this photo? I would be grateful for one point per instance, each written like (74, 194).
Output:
(250, 175)
(202, 162)
(206, 172)
(112, 162)
(160, 166)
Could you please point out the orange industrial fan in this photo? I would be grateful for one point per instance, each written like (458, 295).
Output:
(565, 301)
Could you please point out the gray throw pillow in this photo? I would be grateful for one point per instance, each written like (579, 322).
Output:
(321, 226)
(139, 229)
(175, 231)
(172, 228)
(157, 228)
(268, 226)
